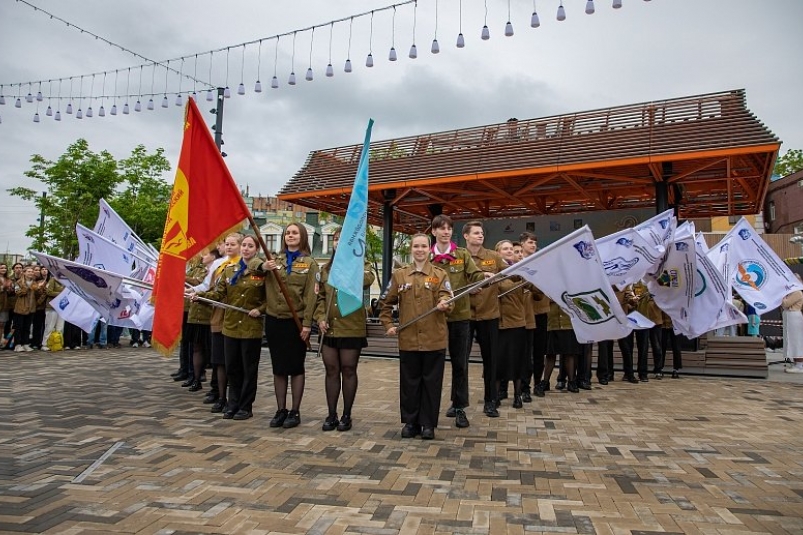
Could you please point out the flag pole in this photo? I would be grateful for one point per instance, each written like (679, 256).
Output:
(218, 304)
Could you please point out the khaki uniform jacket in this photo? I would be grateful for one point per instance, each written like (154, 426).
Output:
(52, 290)
(26, 298)
(350, 326)
(248, 293)
(647, 305)
(216, 320)
(512, 310)
(6, 291)
(40, 291)
(198, 312)
(302, 287)
(540, 303)
(529, 309)
(462, 272)
(485, 305)
(557, 319)
(194, 276)
(417, 292)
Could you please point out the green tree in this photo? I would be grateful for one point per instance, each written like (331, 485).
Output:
(79, 179)
(789, 163)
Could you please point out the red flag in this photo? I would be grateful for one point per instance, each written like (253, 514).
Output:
(205, 206)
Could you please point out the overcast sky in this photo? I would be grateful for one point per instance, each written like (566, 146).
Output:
(641, 52)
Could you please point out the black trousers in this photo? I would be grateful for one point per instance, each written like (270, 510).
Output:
(459, 350)
(539, 348)
(669, 338)
(242, 365)
(651, 336)
(185, 349)
(487, 333)
(22, 329)
(605, 357)
(38, 321)
(420, 385)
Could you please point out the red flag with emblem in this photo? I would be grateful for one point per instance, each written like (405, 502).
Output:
(205, 206)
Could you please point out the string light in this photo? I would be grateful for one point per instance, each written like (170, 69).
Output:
(258, 84)
(392, 54)
(209, 96)
(2, 97)
(165, 103)
(590, 7)
(274, 82)
(308, 76)
(227, 91)
(179, 99)
(91, 92)
(80, 113)
(102, 111)
(39, 93)
(241, 87)
(330, 71)
(413, 50)
(435, 46)
(127, 92)
(535, 22)
(114, 106)
(617, 4)
(347, 65)
(369, 61)
(69, 103)
(58, 103)
(486, 33)
(29, 97)
(461, 42)
(561, 12)
(49, 111)
(292, 79)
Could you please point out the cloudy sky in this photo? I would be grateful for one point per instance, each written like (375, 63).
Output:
(641, 52)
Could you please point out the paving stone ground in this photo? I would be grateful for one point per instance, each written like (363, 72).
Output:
(103, 441)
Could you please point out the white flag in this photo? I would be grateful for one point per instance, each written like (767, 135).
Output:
(710, 297)
(570, 272)
(100, 252)
(672, 286)
(627, 256)
(70, 307)
(659, 229)
(88, 282)
(759, 276)
(112, 226)
(640, 321)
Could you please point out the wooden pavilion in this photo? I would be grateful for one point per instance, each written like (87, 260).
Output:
(705, 155)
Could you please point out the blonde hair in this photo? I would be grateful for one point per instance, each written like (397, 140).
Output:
(499, 244)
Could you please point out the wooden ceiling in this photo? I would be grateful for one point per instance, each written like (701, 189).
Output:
(714, 154)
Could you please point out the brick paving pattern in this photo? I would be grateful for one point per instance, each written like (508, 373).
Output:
(104, 441)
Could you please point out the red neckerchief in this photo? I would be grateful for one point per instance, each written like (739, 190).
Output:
(443, 257)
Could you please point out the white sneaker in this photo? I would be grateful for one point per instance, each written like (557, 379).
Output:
(135, 344)
(19, 349)
(45, 348)
(28, 348)
(794, 369)
(146, 344)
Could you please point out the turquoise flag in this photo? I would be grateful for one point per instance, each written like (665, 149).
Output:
(348, 266)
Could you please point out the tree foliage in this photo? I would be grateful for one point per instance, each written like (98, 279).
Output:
(789, 163)
(79, 179)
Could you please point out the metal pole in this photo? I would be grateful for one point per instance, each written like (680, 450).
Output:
(387, 237)
(219, 119)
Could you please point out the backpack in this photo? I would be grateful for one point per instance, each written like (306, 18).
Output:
(55, 341)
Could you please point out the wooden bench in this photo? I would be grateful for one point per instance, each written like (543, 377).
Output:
(743, 356)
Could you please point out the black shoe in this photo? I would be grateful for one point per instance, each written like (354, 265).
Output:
(428, 433)
(181, 377)
(540, 389)
(585, 385)
(644, 378)
(410, 430)
(177, 373)
(279, 418)
(572, 387)
(292, 420)
(219, 405)
(345, 423)
(630, 379)
(460, 419)
(210, 398)
(228, 414)
(675, 374)
(331, 423)
(560, 385)
(242, 415)
(526, 397)
(188, 382)
(603, 381)
(490, 409)
(195, 386)
(659, 376)
(517, 404)
(451, 412)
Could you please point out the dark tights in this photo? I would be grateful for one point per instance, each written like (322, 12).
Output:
(341, 365)
(280, 386)
(549, 365)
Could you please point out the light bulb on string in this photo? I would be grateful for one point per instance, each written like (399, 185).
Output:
(535, 20)
(151, 105)
(138, 106)
(179, 99)
(392, 55)
(36, 117)
(18, 103)
(461, 41)
(39, 96)
(590, 7)
(292, 79)
(209, 96)
(68, 111)
(508, 29)
(414, 49)
(79, 114)
(486, 33)
(330, 71)
(561, 12)
(413, 52)
(89, 112)
(49, 111)
(258, 84)
(241, 89)
(308, 77)
(258, 87)
(165, 102)
(3, 97)
(227, 92)
(435, 47)
(617, 4)
(369, 61)
(57, 116)
(126, 109)
(347, 65)
(29, 97)
(113, 111)
(102, 111)
(274, 82)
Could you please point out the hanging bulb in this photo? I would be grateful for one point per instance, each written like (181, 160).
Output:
(36, 117)
(617, 4)
(308, 76)
(165, 103)
(508, 29)
(347, 67)
(292, 79)
(392, 55)
(39, 96)
(413, 52)
(114, 109)
(561, 12)
(258, 87)
(18, 103)
(436, 48)
(179, 99)
(209, 96)
(79, 114)
(227, 92)
(138, 106)
(274, 83)
(369, 61)
(101, 111)
(49, 112)
(241, 89)
(89, 111)
(29, 98)
(2, 100)
(535, 22)
(126, 109)
(590, 7)
(58, 115)
(69, 108)
(150, 103)
(486, 33)
(461, 42)
(330, 71)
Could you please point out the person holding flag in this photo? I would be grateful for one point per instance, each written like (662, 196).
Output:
(298, 270)
(344, 336)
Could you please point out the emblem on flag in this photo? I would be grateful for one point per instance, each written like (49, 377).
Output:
(586, 249)
(751, 275)
(618, 266)
(590, 307)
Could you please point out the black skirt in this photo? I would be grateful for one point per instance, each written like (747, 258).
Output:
(563, 342)
(346, 342)
(512, 344)
(287, 350)
(198, 334)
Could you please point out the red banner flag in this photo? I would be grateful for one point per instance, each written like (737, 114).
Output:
(205, 206)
